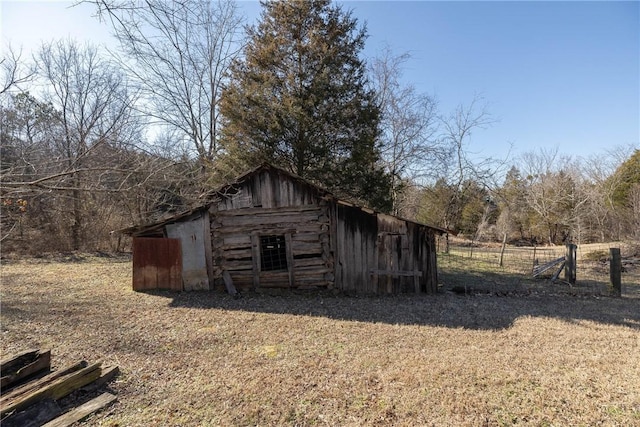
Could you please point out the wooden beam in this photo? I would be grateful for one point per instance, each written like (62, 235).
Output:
(392, 273)
(289, 252)
(15, 361)
(270, 211)
(228, 283)
(23, 365)
(55, 389)
(504, 245)
(34, 385)
(555, 276)
(107, 374)
(208, 252)
(33, 416)
(570, 266)
(82, 411)
(539, 269)
(255, 260)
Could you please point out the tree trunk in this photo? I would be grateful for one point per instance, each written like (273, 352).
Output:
(76, 228)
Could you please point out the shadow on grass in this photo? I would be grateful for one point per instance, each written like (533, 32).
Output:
(481, 310)
(486, 299)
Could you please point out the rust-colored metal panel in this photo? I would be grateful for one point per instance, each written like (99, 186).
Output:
(157, 264)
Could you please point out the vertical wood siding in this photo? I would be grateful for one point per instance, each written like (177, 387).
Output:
(268, 189)
(356, 237)
(380, 254)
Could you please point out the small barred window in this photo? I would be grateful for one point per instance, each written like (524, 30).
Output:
(273, 253)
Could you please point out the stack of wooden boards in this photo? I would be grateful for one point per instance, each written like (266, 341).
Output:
(31, 394)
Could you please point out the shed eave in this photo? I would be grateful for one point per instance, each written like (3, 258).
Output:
(137, 230)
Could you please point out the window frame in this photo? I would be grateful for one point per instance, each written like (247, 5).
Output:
(274, 258)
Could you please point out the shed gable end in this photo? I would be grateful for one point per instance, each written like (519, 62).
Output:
(268, 188)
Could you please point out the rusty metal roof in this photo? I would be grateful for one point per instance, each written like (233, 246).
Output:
(158, 225)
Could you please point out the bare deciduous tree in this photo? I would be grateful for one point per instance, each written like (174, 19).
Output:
(91, 117)
(117, 182)
(460, 169)
(600, 172)
(456, 129)
(409, 148)
(178, 53)
(556, 193)
(14, 71)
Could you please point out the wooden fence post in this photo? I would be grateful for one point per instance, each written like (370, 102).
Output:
(504, 243)
(615, 271)
(570, 266)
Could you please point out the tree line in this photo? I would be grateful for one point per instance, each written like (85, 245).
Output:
(545, 198)
(94, 140)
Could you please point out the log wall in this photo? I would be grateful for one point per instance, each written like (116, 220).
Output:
(272, 204)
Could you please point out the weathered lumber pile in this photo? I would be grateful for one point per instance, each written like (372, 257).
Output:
(31, 395)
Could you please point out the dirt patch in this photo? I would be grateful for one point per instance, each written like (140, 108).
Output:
(314, 359)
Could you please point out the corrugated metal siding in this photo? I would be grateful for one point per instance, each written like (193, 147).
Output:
(157, 264)
(194, 265)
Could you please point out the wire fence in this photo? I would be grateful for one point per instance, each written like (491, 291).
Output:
(465, 266)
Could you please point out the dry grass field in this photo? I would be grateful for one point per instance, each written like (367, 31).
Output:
(205, 359)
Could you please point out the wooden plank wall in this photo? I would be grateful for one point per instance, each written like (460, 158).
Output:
(356, 235)
(331, 243)
(272, 203)
(269, 189)
(424, 253)
(394, 254)
(383, 254)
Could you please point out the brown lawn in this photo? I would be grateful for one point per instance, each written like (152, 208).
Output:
(205, 359)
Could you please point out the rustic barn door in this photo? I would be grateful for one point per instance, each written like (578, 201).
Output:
(387, 261)
(157, 264)
(392, 274)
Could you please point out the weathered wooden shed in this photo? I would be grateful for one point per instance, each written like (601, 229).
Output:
(272, 229)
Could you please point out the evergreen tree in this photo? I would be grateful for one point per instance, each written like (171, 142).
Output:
(435, 207)
(626, 176)
(515, 214)
(299, 100)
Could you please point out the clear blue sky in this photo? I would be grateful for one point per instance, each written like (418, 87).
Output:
(561, 74)
(555, 74)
